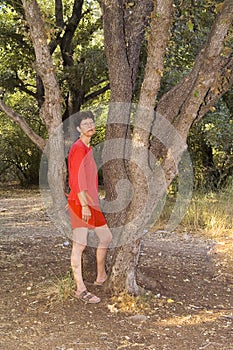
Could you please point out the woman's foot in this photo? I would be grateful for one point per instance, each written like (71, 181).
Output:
(100, 282)
(87, 297)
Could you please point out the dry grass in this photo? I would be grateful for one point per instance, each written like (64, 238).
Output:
(65, 286)
(211, 213)
(131, 304)
(59, 289)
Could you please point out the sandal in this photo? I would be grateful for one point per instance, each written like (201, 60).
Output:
(88, 297)
(100, 283)
(96, 283)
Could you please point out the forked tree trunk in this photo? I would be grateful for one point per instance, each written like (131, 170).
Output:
(122, 46)
(170, 129)
(135, 152)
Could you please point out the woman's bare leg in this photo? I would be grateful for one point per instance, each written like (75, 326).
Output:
(79, 244)
(105, 236)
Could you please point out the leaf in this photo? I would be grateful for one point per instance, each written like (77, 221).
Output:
(212, 109)
(170, 300)
(190, 25)
(196, 93)
(219, 7)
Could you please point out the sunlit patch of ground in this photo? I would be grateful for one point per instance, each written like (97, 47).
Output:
(188, 278)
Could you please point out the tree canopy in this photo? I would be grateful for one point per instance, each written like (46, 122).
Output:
(85, 75)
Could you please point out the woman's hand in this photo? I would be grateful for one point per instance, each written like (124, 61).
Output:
(86, 213)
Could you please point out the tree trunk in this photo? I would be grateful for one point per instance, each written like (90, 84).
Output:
(175, 114)
(121, 86)
(135, 181)
(51, 114)
(134, 153)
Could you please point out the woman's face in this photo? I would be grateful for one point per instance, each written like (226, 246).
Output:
(87, 127)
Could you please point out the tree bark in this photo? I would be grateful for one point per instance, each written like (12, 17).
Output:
(123, 34)
(123, 275)
(121, 87)
(51, 114)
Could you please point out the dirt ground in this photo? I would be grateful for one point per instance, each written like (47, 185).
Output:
(189, 306)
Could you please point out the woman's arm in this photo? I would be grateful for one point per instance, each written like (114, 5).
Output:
(86, 213)
(77, 175)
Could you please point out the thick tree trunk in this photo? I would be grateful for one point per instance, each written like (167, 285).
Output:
(134, 153)
(175, 114)
(51, 114)
(121, 86)
(123, 34)
(123, 273)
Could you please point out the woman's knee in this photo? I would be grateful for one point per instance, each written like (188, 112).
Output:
(78, 248)
(105, 237)
(80, 238)
(109, 237)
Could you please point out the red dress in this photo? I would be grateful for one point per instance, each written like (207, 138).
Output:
(83, 176)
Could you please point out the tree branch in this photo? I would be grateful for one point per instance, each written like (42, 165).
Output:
(210, 72)
(97, 93)
(66, 41)
(22, 87)
(59, 13)
(171, 102)
(223, 84)
(192, 97)
(159, 35)
(51, 110)
(39, 141)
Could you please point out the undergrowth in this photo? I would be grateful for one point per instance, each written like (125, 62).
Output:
(209, 213)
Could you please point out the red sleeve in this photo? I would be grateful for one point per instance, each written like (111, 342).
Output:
(76, 164)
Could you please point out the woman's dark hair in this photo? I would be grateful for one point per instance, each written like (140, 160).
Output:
(80, 116)
(70, 125)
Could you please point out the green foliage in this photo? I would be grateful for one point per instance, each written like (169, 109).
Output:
(19, 157)
(211, 149)
(87, 74)
(192, 22)
(208, 141)
(16, 52)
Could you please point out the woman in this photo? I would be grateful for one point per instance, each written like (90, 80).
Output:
(84, 207)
